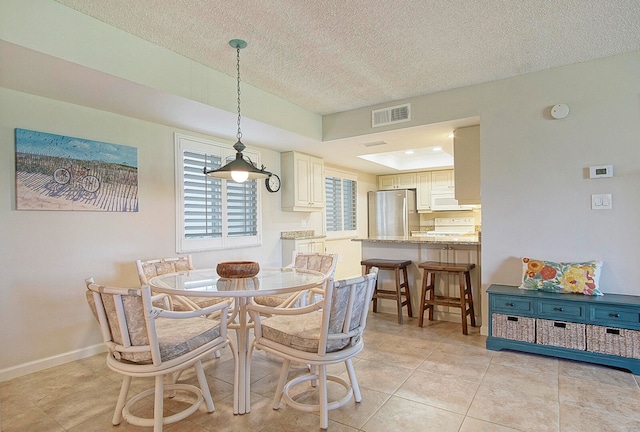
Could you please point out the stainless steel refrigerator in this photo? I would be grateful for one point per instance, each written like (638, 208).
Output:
(392, 213)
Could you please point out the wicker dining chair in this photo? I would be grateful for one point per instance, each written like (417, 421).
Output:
(323, 333)
(146, 341)
(320, 262)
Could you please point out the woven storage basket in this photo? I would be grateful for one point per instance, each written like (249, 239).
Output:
(613, 341)
(513, 327)
(561, 334)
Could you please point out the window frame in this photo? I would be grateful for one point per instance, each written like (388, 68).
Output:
(187, 245)
(343, 175)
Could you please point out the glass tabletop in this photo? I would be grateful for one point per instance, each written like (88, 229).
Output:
(207, 283)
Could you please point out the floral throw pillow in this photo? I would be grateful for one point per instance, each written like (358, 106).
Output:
(571, 277)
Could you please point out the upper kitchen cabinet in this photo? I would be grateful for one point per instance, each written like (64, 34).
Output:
(443, 181)
(466, 157)
(397, 181)
(302, 182)
(423, 191)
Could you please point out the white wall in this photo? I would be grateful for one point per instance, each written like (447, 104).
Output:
(535, 191)
(48, 254)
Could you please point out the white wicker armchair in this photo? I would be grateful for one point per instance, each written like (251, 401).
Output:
(320, 334)
(146, 341)
(323, 263)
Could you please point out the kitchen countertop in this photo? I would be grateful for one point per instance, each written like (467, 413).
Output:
(300, 235)
(417, 240)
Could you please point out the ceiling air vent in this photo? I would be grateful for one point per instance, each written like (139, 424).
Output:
(391, 115)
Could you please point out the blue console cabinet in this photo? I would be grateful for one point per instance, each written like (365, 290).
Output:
(596, 329)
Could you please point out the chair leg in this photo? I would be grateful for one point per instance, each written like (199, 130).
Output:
(398, 294)
(324, 403)
(407, 293)
(158, 404)
(354, 381)
(431, 293)
(423, 296)
(284, 372)
(204, 386)
(122, 400)
(463, 303)
(473, 314)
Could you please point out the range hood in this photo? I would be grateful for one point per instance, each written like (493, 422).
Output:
(447, 202)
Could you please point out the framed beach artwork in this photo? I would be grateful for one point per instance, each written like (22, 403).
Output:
(55, 172)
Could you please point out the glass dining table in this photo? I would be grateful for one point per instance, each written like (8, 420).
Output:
(207, 283)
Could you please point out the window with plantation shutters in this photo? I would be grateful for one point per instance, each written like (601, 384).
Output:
(341, 195)
(213, 213)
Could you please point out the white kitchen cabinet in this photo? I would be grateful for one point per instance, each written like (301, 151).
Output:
(397, 181)
(466, 151)
(442, 181)
(302, 182)
(423, 191)
(315, 245)
(450, 285)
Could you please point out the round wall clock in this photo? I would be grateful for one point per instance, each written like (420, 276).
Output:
(273, 183)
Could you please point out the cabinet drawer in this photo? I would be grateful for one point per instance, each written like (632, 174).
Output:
(513, 305)
(615, 316)
(561, 310)
(613, 341)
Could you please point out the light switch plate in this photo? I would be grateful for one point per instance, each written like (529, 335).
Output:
(601, 202)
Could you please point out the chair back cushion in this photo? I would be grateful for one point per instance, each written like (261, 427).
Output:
(157, 267)
(125, 322)
(342, 309)
(323, 263)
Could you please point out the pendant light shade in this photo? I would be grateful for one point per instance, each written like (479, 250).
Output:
(242, 168)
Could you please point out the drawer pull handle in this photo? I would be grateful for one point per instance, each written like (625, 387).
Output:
(613, 331)
(509, 304)
(614, 315)
(559, 324)
(558, 309)
(512, 319)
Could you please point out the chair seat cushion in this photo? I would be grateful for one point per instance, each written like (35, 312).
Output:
(178, 337)
(301, 332)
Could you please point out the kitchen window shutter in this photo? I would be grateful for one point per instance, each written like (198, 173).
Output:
(213, 213)
(333, 196)
(341, 199)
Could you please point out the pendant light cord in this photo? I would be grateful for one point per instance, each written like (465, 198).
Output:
(239, 134)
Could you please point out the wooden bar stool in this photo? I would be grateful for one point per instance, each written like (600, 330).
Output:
(429, 299)
(396, 266)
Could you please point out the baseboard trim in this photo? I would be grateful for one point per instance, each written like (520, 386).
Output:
(46, 363)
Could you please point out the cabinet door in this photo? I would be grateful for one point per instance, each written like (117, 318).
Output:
(406, 181)
(316, 184)
(442, 181)
(423, 191)
(387, 182)
(303, 170)
(317, 247)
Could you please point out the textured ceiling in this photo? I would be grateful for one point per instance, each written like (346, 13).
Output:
(335, 55)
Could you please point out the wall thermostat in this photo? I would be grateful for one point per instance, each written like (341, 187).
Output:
(559, 111)
(601, 171)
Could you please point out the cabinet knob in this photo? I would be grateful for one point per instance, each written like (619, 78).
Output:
(614, 315)
(509, 304)
(558, 309)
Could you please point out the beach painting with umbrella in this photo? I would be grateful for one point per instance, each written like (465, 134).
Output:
(56, 172)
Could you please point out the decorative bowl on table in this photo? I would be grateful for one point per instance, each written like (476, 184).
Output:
(237, 269)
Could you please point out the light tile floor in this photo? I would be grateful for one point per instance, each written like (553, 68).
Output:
(412, 379)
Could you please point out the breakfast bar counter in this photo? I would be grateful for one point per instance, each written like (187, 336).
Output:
(420, 249)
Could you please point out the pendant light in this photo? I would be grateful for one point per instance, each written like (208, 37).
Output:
(242, 168)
